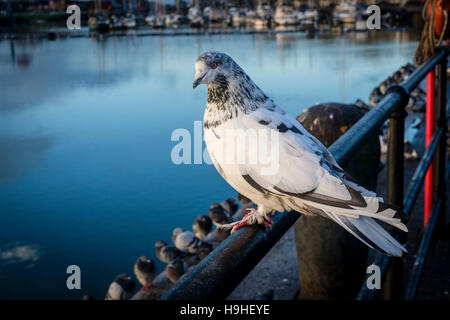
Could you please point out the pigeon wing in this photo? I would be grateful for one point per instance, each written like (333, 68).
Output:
(302, 166)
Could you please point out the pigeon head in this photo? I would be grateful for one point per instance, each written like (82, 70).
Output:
(201, 226)
(214, 69)
(176, 232)
(230, 90)
(218, 215)
(159, 244)
(145, 265)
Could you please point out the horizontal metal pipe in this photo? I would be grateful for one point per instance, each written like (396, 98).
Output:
(222, 270)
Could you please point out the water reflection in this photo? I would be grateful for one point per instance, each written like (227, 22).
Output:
(18, 154)
(20, 253)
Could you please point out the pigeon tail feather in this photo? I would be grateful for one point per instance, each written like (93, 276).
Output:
(363, 226)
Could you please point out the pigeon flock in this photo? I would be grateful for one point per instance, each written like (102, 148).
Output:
(415, 120)
(188, 248)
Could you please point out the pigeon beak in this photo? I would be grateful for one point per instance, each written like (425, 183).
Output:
(198, 80)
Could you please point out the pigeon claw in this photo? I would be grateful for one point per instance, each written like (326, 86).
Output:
(238, 226)
(266, 221)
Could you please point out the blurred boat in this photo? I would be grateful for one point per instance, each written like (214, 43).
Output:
(150, 20)
(214, 15)
(195, 17)
(239, 18)
(99, 23)
(361, 25)
(345, 12)
(285, 16)
(156, 22)
(300, 16)
(129, 21)
(264, 11)
(174, 20)
(311, 14)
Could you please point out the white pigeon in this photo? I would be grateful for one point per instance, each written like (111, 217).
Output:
(308, 179)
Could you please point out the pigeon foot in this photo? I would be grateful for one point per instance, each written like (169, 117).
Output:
(254, 217)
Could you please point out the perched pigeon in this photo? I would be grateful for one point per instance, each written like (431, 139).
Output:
(218, 215)
(175, 270)
(201, 226)
(161, 283)
(144, 270)
(167, 253)
(187, 241)
(308, 178)
(121, 289)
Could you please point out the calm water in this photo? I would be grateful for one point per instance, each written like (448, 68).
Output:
(86, 176)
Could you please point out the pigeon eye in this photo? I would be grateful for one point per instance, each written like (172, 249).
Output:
(214, 65)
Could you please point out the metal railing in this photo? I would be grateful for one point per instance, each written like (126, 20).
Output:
(216, 276)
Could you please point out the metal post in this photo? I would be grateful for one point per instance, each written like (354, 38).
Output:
(440, 158)
(394, 278)
(429, 130)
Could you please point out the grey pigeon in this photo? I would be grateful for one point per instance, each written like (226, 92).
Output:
(218, 215)
(187, 241)
(144, 270)
(175, 270)
(201, 226)
(121, 289)
(167, 253)
(304, 175)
